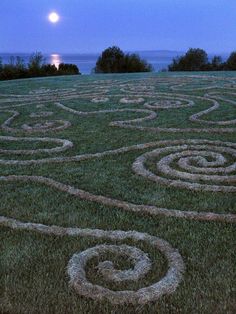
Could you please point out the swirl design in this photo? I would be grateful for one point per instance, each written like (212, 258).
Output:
(142, 265)
(186, 165)
(169, 102)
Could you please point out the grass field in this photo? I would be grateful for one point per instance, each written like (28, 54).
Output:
(136, 169)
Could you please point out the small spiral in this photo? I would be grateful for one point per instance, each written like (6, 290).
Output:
(136, 88)
(100, 99)
(131, 100)
(55, 125)
(41, 114)
(40, 91)
(167, 102)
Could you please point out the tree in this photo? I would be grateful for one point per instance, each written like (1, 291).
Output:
(216, 63)
(20, 64)
(35, 64)
(111, 61)
(231, 62)
(114, 60)
(193, 60)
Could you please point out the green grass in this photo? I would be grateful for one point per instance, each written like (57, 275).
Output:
(33, 276)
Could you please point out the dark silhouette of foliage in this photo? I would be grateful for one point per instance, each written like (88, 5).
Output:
(231, 62)
(65, 69)
(49, 70)
(197, 60)
(15, 69)
(133, 63)
(36, 62)
(193, 60)
(111, 61)
(36, 67)
(114, 60)
(217, 64)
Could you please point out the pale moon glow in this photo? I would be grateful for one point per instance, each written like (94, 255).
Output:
(53, 17)
(55, 59)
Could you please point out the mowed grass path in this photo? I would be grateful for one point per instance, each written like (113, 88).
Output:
(33, 266)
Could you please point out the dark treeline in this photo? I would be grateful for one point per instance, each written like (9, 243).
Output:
(36, 67)
(114, 60)
(197, 60)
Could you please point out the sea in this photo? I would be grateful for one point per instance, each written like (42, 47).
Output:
(86, 62)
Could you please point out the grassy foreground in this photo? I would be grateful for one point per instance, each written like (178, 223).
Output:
(33, 265)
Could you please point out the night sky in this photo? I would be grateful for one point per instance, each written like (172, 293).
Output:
(92, 25)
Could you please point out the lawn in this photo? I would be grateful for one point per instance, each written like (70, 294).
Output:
(118, 193)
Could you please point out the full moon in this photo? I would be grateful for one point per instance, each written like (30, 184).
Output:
(53, 17)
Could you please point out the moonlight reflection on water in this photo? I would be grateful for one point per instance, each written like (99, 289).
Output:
(55, 59)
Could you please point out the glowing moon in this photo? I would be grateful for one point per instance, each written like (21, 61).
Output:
(53, 17)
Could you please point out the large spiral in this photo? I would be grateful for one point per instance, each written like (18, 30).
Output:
(141, 263)
(192, 164)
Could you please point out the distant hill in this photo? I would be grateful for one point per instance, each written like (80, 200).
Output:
(160, 53)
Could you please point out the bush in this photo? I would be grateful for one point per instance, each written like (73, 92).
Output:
(114, 60)
(66, 69)
(49, 70)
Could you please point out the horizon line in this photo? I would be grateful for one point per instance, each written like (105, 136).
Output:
(95, 53)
